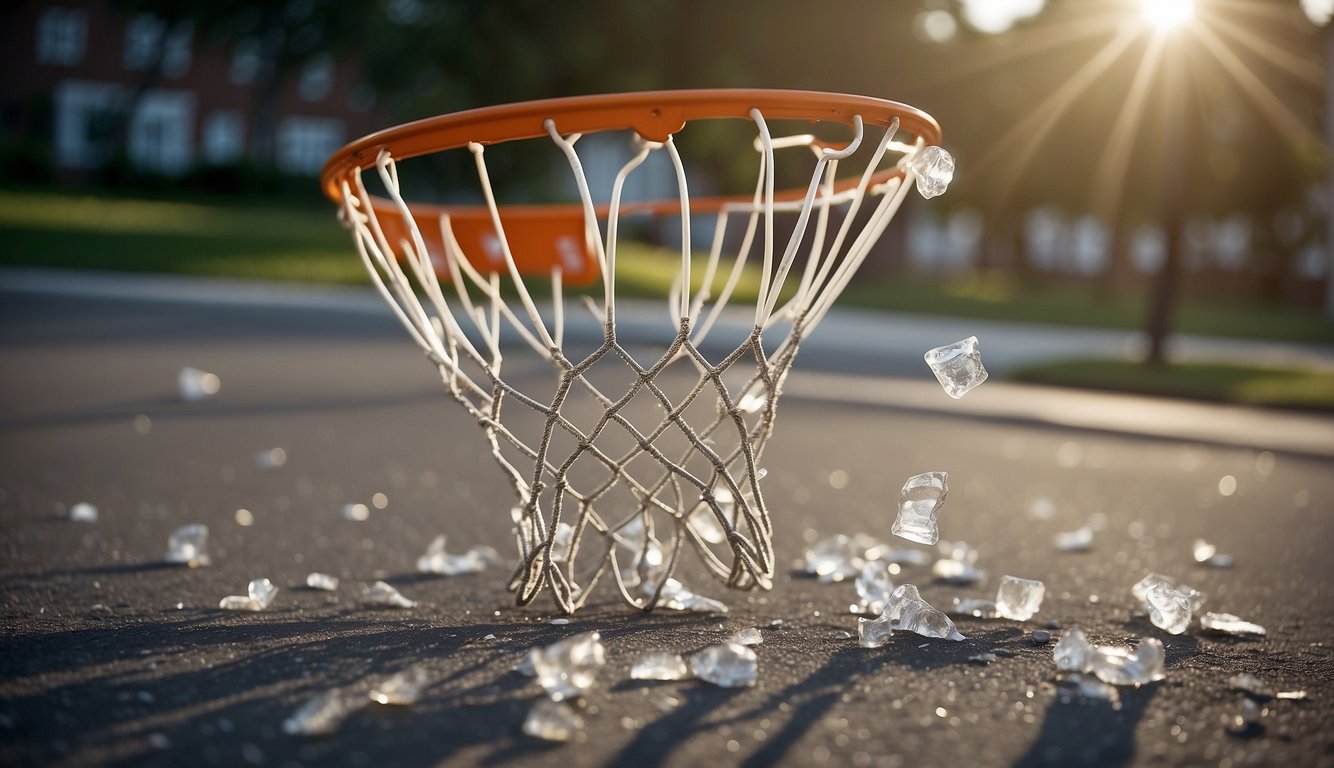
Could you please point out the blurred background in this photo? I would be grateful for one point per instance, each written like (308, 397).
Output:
(1160, 165)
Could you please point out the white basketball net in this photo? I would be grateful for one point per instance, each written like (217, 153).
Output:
(616, 493)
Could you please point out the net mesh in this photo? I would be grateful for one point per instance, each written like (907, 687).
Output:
(629, 460)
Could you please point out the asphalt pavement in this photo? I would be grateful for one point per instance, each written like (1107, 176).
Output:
(110, 657)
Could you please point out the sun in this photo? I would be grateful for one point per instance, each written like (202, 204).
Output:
(1167, 14)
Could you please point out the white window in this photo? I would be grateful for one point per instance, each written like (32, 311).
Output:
(146, 38)
(224, 137)
(161, 129)
(246, 61)
(84, 117)
(62, 36)
(304, 143)
(317, 78)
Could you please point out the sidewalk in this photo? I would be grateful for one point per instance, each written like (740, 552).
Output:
(867, 341)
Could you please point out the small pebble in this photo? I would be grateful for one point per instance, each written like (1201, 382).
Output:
(1041, 636)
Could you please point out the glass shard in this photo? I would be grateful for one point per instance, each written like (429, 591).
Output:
(188, 545)
(874, 587)
(322, 581)
(260, 594)
(1169, 608)
(1091, 688)
(194, 384)
(958, 366)
(1291, 695)
(919, 503)
(1018, 599)
(659, 665)
(438, 561)
(1078, 540)
(676, 597)
(1121, 666)
(906, 611)
(727, 665)
(957, 564)
(567, 669)
(402, 689)
(1141, 588)
(1230, 624)
(748, 636)
(1073, 652)
(552, 721)
(934, 170)
(381, 593)
(873, 633)
(320, 716)
(83, 512)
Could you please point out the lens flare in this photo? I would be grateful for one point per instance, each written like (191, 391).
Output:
(1166, 14)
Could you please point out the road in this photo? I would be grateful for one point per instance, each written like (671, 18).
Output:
(108, 657)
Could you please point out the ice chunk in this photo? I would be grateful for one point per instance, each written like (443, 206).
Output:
(322, 581)
(874, 587)
(1169, 608)
(1230, 624)
(260, 594)
(1141, 588)
(1208, 554)
(934, 170)
(748, 636)
(381, 593)
(1018, 599)
(271, 458)
(402, 689)
(958, 366)
(1073, 652)
(194, 384)
(438, 561)
(1251, 684)
(567, 669)
(834, 559)
(676, 597)
(906, 611)
(83, 512)
(919, 503)
(188, 545)
(727, 665)
(659, 665)
(1078, 540)
(1121, 666)
(358, 513)
(320, 716)
(976, 607)
(552, 721)
(873, 633)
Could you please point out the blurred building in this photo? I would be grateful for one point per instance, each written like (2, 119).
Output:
(86, 85)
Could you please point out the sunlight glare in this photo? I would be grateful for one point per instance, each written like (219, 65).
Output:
(1166, 14)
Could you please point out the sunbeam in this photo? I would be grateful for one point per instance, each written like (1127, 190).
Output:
(1110, 175)
(1304, 69)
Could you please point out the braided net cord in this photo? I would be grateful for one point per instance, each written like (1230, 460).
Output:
(600, 486)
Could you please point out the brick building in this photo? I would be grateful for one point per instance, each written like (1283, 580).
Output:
(85, 81)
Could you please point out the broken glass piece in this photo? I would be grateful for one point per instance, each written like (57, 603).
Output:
(675, 597)
(1078, 540)
(1121, 666)
(194, 384)
(552, 721)
(438, 561)
(1208, 554)
(1018, 599)
(322, 581)
(1073, 652)
(907, 611)
(659, 665)
(1142, 587)
(747, 636)
(934, 170)
(358, 513)
(188, 545)
(567, 669)
(403, 689)
(381, 593)
(1089, 687)
(83, 512)
(919, 503)
(261, 592)
(1291, 695)
(833, 559)
(1169, 608)
(874, 587)
(1232, 625)
(271, 458)
(1251, 684)
(957, 564)
(958, 366)
(320, 716)
(873, 633)
(727, 665)
(976, 607)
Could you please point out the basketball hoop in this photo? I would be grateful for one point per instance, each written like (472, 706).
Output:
(626, 481)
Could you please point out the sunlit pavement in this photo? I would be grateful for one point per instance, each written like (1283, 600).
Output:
(99, 665)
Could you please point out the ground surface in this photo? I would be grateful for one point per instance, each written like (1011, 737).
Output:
(109, 658)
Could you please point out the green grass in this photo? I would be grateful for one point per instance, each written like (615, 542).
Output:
(218, 237)
(1277, 387)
